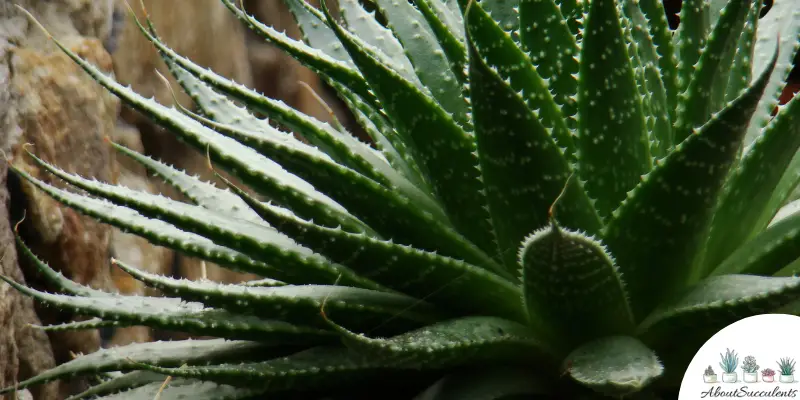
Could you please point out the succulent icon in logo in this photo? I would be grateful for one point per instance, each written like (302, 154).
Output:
(768, 375)
(786, 366)
(750, 368)
(730, 360)
(709, 376)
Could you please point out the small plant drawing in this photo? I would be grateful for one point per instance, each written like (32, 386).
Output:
(749, 365)
(750, 368)
(768, 375)
(730, 360)
(709, 376)
(786, 366)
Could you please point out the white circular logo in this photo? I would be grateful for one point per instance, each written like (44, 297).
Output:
(754, 358)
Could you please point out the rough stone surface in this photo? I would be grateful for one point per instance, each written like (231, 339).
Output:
(46, 101)
(65, 115)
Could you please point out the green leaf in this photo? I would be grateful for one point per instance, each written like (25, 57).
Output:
(503, 12)
(573, 12)
(296, 157)
(553, 50)
(613, 145)
(668, 214)
(55, 279)
(316, 32)
(782, 21)
(367, 27)
(741, 70)
(792, 269)
(615, 366)
(492, 384)
(264, 282)
(570, 280)
(92, 323)
(448, 14)
(297, 304)
(715, 303)
(690, 39)
(705, 93)
(455, 9)
(501, 53)
(425, 275)
(450, 34)
(164, 234)
(317, 168)
(429, 58)
(314, 59)
(341, 147)
(523, 169)
(407, 220)
(785, 212)
(637, 64)
(202, 193)
(446, 150)
(262, 174)
(785, 191)
(715, 8)
(767, 252)
(171, 313)
(58, 280)
(263, 243)
(456, 342)
(163, 353)
(742, 207)
(314, 368)
(385, 138)
(662, 40)
(651, 84)
(122, 382)
(186, 389)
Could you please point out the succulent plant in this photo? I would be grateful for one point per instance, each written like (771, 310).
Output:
(729, 361)
(749, 365)
(768, 372)
(552, 189)
(786, 366)
(709, 371)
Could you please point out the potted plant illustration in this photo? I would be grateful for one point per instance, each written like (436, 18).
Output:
(709, 376)
(750, 369)
(730, 360)
(768, 375)
(786, 366)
